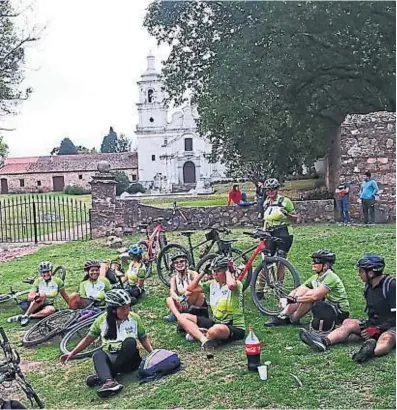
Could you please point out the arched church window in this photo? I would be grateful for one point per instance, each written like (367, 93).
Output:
(150, 96)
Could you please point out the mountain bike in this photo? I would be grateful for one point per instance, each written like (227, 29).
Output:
(267, 284)
(60, 270)
(197, 220)
(60, 322)
(10, 371)
(212, 238)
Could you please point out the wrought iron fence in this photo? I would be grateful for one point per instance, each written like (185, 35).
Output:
(43, 218)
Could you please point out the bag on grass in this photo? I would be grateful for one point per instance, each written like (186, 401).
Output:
(158, 364)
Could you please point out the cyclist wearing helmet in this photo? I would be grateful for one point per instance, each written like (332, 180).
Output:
(323, 293)
(113, 272)
(91, 287)
(136, 272)
(120, 329)
(40, 301)
(379, 330)
(226, 300)
(180, 299)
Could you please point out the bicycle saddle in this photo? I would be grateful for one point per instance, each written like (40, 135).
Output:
(158, 219)
(258, 234)
(187, 233)
(227, 241)
(143, 225)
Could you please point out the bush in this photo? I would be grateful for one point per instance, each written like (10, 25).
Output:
(136, 188)
(122, 182)
(76, 190)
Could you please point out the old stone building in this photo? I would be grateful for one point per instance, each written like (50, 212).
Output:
(54, 173)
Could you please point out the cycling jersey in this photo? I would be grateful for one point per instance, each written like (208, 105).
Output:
(131, 327)
(136, 271)
(182, 283)
(51, 287)
(226, 305)
(336, 290)
(94, 289)
(272, 216)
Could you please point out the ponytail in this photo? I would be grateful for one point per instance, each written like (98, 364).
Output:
(111, 328)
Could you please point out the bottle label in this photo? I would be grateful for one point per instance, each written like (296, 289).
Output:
(253, 349)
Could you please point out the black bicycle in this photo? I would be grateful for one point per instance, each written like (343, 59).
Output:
(10, 371)
(178, 216)
(212, 238)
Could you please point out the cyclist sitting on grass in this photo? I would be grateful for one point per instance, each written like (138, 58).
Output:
(379, 331)
(40, 301)
(112, 272)
(120, 330)
(136, 273)
(226, 300)
(323, 293)
(92, 287)
(180, 299)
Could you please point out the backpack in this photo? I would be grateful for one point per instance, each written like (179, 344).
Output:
(158, 364)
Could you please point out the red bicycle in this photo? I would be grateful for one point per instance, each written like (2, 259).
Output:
(274, 278)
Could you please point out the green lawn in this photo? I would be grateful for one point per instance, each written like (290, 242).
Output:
(328, 380)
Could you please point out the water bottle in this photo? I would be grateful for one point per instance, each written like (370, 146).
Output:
(253, 350)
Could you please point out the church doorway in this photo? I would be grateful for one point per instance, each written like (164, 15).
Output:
(189, 173)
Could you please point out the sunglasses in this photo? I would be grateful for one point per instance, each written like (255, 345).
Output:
(317, 262)
(179, 262)
(271, 189)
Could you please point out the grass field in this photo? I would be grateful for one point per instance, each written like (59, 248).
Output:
(329, 380)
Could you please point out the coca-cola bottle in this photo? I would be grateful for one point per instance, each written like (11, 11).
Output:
(253, 350)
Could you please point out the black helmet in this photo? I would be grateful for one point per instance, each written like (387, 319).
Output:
(178, 255)
(371, 261)
(117, 298)
(324, 256)
(92, 264)
(219, 263)
(45, 266)
(272, 183)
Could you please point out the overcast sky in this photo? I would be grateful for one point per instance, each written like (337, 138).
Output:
(83, 72)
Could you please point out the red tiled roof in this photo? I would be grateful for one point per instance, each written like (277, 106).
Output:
(68, 163)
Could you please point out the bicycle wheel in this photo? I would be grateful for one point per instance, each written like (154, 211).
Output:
(61, 270)
(267, 289)
(48, 327)
(172, 224)
(239, 261)
(29, 391)
(5, 297)
(164, 261)
(74, 336)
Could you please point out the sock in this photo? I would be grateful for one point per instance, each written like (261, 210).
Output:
(326, 341)
(203, 339)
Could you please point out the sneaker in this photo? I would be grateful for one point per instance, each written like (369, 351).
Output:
(189, 337)
(92, 380)
(366, 352)
(170, 318)
(311, 340)
(209, 344)
(24, 320)
(278, 321)
(109, 388)
(13, 319)
(30, 280)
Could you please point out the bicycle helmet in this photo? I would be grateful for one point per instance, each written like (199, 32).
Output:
(324, 256)
(220, 263)
(135, 250)
(372, 262)
(272, 183)
(179, 255)
(117, 298)
(92, 263)
(45, 266)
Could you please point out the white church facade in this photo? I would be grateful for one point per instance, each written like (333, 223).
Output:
(170, 151)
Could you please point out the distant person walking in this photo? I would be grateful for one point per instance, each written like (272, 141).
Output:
(342, 199)
(369, 189)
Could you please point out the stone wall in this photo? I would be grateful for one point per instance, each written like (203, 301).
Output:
(130, 213)
(368, 144)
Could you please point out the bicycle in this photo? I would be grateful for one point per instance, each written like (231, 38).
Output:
(10, 371)
(265, 278)
(60, 322)
(62, 274)
(211, 238)
(197, 220)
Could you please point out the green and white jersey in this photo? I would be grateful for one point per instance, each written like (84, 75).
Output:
(272, 216)
(51, 288)
(131, 327)
(336, 289)
(226, 305)
(135, 272)
(94, 289)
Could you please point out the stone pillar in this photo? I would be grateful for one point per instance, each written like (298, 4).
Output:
(103, 192)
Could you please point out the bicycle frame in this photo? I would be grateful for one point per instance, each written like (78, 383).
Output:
(260, 247)
(154, 238)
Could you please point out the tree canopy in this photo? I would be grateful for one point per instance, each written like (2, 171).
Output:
(113, 143)
(274, 80)
(67, 147)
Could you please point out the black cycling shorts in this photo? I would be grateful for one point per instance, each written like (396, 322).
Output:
(286, 243)
(235, 333)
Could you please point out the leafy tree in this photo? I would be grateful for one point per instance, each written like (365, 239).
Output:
(109, 143)
(136, 188)
(3, 151)
(274, 80)
(123, 143)
(122, 182)
(80, 150)
(67, 147)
